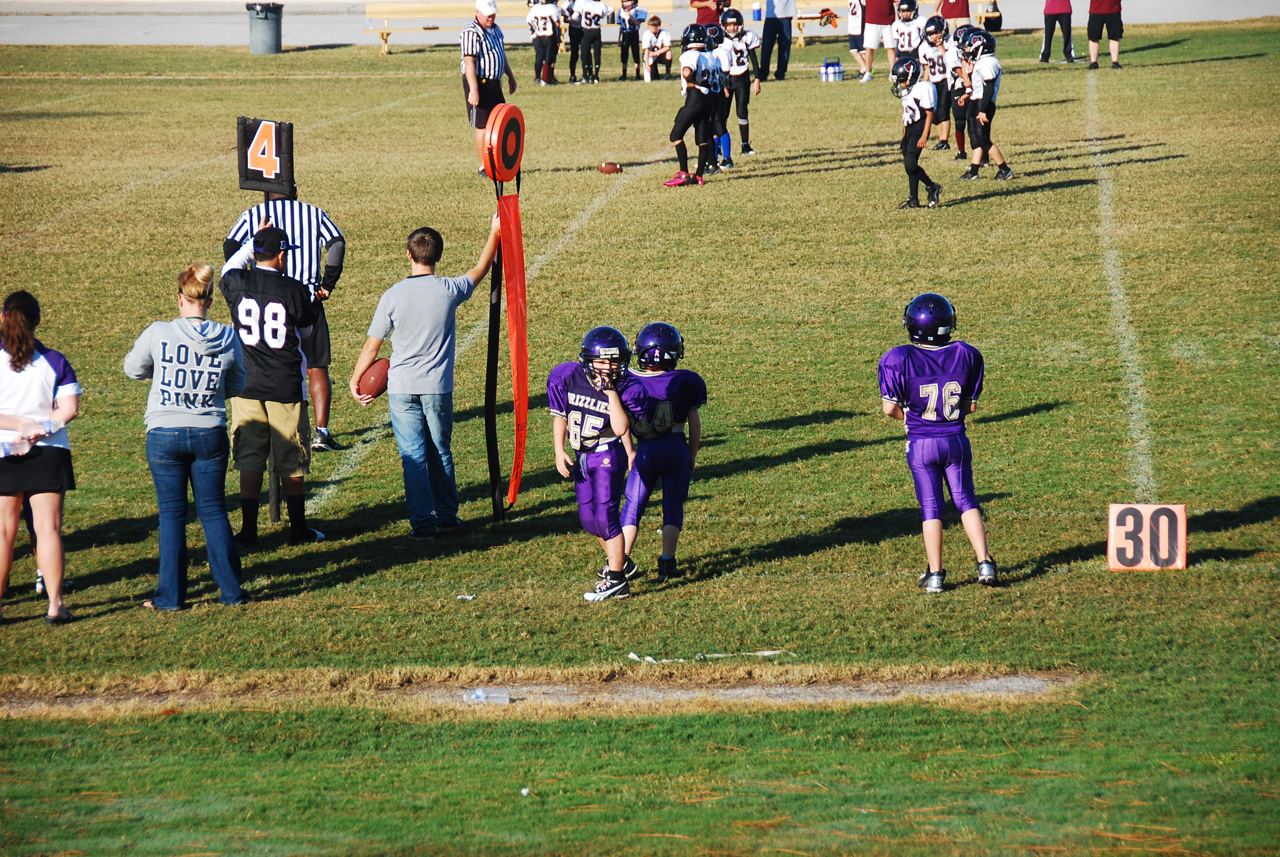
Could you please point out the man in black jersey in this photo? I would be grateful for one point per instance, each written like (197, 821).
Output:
(271, 312)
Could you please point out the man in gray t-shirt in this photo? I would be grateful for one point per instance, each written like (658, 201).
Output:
(418, 314)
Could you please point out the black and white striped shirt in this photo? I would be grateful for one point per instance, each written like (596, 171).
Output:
(307, 226)
(486, 45)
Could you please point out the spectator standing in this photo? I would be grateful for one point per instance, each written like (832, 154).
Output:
(857, 10)
(1105, 13)
(956, 12)
(418, 314)
(269, 419)
(193, 363)
(878, 18)
(708, 11)
(484, 62)
(777, 31)
(39, 395)
(318, 266)
(1057, 13)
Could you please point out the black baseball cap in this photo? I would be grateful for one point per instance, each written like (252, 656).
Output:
(272, 240)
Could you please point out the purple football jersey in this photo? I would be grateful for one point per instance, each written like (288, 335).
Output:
(669, 396)
(585, 408)
(933, 384)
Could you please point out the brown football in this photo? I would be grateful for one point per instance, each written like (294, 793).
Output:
(610, 167)
(374, 380)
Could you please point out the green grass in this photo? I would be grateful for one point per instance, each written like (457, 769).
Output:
(787, 277)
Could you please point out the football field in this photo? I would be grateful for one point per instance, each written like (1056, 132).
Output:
(1123, 289)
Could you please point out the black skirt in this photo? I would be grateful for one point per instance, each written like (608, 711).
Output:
(43, 470)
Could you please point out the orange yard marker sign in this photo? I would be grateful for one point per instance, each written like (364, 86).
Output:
(1145, 537)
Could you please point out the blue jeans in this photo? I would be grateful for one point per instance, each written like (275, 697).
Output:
(199, 456)
(423, 425)
(776, 31)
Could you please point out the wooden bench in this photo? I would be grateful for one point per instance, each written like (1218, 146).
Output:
(389, 12)
(824, 17)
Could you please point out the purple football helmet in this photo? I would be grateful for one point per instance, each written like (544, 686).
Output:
(659, 346)
(605, 343)
(929, 319)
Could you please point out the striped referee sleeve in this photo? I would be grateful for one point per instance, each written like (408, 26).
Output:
(487, 47)
(306, 225)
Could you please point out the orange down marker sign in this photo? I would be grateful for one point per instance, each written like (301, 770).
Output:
(1143, 537)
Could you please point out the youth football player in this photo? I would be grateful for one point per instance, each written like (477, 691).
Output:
(744, 77)
(979, 51)
(933, 58)
(696, 77)
(721, 61)
(958, 79)
(932, 384)
(666, 421)
(917, 118)
(586, 411)
(656, 45)
(908, 30)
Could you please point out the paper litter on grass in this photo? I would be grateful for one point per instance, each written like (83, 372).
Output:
(706, 656)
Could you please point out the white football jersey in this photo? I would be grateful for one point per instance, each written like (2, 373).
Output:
(699, 65)
(932, 59)
(856, 8)
(745, 42)
(542, 19)
(592, 12)
(920, 98)
(908, 34)
(658, 43)
(722, 60)
(632, 19)
(951, 58)
(985, 74)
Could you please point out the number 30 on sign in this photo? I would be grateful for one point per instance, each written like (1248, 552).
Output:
(1146, 537)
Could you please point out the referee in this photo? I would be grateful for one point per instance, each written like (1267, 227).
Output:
(484, 61)
(317, 264)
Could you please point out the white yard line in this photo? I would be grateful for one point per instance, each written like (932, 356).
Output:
(1135, 391)
(44, 104)
(350, 463)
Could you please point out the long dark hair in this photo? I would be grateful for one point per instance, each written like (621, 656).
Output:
(17, 329)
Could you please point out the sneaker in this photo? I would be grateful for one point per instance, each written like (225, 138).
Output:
(608, 588)
(680, 179)
(961, 156)
(668, 569)
(987, 573)
(726, 164)
(1116, 65)
(324, 442)
(747, 150)
(245, 538)
(421, 534)
(942, 146)
(1004, 173)
(1044, 59)
(932, 582)
(711, 170)
(307, 537)
(1071, 59)
(542, 82)
(450, 526)
(629, 568)
(1093, 65)
(972, 175)
(68, 585)
(911, 203)
(866, 78)
(935, 194)
(573, 78)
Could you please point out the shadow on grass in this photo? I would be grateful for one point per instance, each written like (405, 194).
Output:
(804, 420)
(1004, 107)
(1205, 60)
(1155, 46)
(1030, 410)
(864, 529)
(1024, 189)
(5, 168)
(537, 401)
(1261, 511)
(1126, 163)
(301, 49)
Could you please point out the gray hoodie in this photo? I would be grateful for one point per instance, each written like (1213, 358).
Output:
(193, 364)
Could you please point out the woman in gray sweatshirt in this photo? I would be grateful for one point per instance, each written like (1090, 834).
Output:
(193, 364)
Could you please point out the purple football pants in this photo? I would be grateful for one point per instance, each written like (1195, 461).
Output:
(597, 482)
(929, 459)
(663, 459)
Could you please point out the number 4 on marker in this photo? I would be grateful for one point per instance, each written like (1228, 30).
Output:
(262, 151)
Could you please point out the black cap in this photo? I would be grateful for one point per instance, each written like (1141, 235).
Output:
(272, 240)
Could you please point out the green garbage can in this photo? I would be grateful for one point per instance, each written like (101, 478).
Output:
(264, 27)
